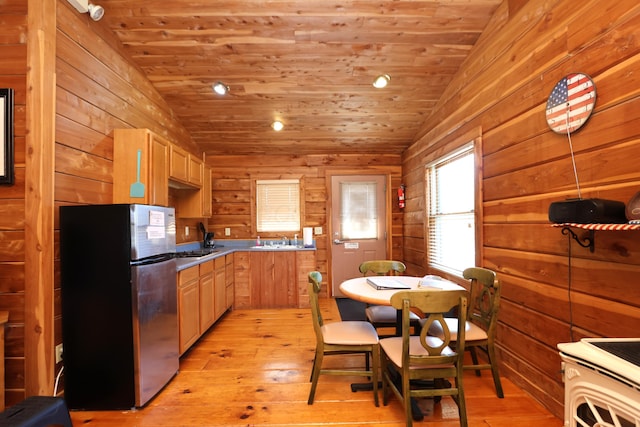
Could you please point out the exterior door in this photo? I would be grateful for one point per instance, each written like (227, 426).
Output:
(358, 224)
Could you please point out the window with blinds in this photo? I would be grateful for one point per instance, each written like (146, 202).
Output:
(278, 205)
(451, 217)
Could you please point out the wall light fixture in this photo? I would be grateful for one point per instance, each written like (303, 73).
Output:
(83, 6)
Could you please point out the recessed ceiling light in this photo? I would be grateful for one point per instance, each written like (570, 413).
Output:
(220, 88)
(381, 81)
(277, 125)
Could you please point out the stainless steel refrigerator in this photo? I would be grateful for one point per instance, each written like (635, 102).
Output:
(119, 304)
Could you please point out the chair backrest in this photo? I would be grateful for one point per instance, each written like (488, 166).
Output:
(485, 298)
(314, 287)
(383, 267)
(435, 305)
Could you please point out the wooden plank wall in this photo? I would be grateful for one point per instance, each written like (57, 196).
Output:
(97, 91)
(548, 297)
(231, 192)
(13, 69)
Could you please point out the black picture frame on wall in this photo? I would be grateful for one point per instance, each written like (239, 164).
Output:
(6, 136)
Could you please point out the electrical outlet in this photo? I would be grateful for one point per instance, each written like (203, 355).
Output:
(317, 230)
(58, 353)
(186, 230)
(227, 231)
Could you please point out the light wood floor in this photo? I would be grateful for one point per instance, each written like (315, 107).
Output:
(252, 369)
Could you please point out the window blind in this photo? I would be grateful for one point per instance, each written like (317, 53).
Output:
(451, 216)
(358, 210)
(278, 205)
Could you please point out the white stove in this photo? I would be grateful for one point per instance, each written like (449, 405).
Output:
(602, 382)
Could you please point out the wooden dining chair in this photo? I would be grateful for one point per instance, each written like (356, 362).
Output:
(339, 338)
(482, 321)
(424, 357)
(384, 316)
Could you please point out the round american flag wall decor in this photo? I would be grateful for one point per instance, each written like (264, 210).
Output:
(570, 103)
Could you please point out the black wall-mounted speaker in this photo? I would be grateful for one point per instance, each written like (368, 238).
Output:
(588, 211)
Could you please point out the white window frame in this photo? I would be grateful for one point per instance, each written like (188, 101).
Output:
(457, 254)
(283, 214)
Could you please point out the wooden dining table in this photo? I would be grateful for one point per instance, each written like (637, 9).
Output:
(360, 290)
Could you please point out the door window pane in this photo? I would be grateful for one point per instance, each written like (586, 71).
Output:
(358, 212)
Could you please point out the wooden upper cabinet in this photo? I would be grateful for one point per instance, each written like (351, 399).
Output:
(195, 170)
(179, 164)
(195, 203)
(162, 165)
(206, 192)
(140, 167)
(185, 168)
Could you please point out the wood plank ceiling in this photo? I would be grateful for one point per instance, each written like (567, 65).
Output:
(308, 63)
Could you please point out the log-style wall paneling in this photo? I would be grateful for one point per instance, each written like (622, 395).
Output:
(502, 89)
(499, 94)
(97, 90)
(231, 194)
(13, 74)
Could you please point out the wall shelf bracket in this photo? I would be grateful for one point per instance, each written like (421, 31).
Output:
(586, 242)
(589, 241)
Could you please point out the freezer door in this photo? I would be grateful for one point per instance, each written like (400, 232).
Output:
(153, 231)
(155, 324)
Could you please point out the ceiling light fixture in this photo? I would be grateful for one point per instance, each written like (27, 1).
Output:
(277, 125)
(83, 6)
(381, 81)
(220, 88)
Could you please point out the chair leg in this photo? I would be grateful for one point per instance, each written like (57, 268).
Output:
(375, 356)
(315, 374)
(383, 377)
(494, 370)
(313, 368)
(474, 359)
(406, 400)
(462, 406)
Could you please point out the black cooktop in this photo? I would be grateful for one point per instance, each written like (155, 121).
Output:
(197, 253)
(627, 350)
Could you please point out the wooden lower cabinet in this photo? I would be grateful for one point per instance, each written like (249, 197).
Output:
(305, 263)
(272, 279)
(228, 275)
(220, 302)
(203, 297)
(188, 307)
(207, 296)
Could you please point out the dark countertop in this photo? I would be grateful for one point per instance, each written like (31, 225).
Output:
(228, 247)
